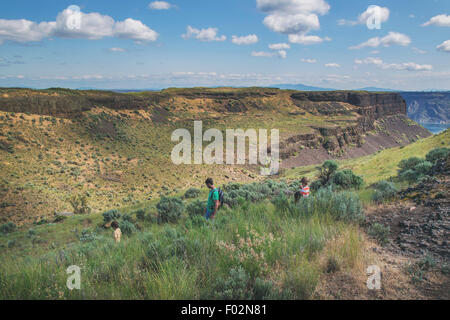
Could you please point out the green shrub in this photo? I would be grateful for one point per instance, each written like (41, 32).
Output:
(169, 209)
(79, 202)
(346, 179)
(140, 214)
(329, 176)
(384, 191)
(127, 217)
(192, 193)
(437, 154)
(380, 233)
(196, 208)
(413, 169)
(327, 169)
(234, 287)
(340, 205)
(88, 236)
(31, 233)
(127, 227)
(111, 215)
(8, 227)
(11, 244)
(264, 290)
(282, 203)
(59, 218)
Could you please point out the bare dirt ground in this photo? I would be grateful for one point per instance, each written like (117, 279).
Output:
(415, 262)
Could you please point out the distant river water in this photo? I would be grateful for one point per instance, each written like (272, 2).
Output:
(435, 128)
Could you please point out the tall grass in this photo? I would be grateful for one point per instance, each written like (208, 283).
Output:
(278, 253)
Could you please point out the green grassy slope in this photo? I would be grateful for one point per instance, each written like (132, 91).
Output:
(383, 164)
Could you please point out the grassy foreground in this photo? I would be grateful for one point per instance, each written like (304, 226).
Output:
(254, 251)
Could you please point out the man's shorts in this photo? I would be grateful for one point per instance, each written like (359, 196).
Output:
(208, 214)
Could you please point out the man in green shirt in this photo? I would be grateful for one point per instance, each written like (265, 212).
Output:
(213, 200)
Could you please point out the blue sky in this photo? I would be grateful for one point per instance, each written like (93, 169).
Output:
(147, 44)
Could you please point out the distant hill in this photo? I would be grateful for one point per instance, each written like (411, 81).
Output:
(377, 89)
(303, 87)
(300, 87)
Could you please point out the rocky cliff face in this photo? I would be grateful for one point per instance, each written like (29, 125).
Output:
(370, 104)
(428, 107)
(59, 102)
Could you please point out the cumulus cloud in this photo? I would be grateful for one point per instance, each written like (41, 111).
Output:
(370, 60)
(444, 46)
(381, 14)
(408, 66)
(393, 38)
(72, 23)
(208, 34)
(308, 60)
(281, 54)
(441, 20)
(293, 17)
(116, 49)
(160, 5)
(245, 40)
(134, 29)
(279, 46)
(304, 39)
(23, 31)
(332, 65)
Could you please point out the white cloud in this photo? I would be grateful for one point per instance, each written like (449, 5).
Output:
(92, 26)
(408, 66)
(444, 46)
(441, 20)
(116, 49)
(160, 5)
(134, 29)
(293, 17)
(208, 34)
(393, 38)
(292, 24)
(72, 23)
(279, 46)
(304, 39)
(292, 6)
(88, 77)
(281, 54)
(380, 13)
(24, 30)
(332, 65)
(308, 60)
(370, 60)
(245, 40)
